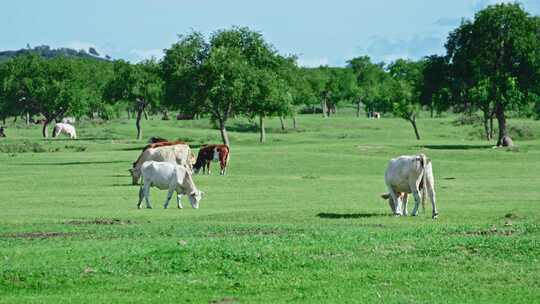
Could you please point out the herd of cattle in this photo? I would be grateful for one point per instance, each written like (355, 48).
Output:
(169, 165)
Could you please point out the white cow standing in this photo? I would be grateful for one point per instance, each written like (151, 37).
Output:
(179, 153)
(170, 176)
(64, 128)
(409, 174)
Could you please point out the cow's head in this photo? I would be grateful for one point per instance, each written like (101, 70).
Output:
(195, 198)
(135, 175)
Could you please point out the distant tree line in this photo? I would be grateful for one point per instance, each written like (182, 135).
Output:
(492, 65)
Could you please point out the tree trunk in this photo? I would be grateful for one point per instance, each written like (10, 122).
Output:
(44, 130)
(128, 114)
(486, 128)
(15, 119)
(262, 139)
(223, 131)
(358, 109)
(431, 110)
(294, 122)
(27, 118)
(138, 123)
(324, 108)
(282, 123)
(491, 127)
(413, 122)
(504, 140)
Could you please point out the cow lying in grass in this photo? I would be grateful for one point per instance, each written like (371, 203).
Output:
(209, 153)
(176, 152)
(64, 128)
(409, 174)
(168, 176)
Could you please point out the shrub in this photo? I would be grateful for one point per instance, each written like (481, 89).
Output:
(23, 147)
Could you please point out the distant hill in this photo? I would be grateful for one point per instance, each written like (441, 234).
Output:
(46, 52)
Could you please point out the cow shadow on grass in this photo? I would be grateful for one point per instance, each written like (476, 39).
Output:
(457, 147)
(350, 215)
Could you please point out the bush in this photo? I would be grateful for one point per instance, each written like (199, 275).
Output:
(516, 132)
(472, 119)
(310, 110)
(23, 147)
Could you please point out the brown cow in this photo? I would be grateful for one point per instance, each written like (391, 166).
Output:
(209, 153)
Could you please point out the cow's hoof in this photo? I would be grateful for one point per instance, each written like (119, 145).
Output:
(435, 216)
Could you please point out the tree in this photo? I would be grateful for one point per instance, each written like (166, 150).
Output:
(404, 90)
(434, 93)
(370, 78)
(217, 77)
(139, 84)
(269, 96)
(51, 87)
(498, 52)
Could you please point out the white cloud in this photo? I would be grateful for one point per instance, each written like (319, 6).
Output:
(146, 54)
(388, 50)
(312, 62)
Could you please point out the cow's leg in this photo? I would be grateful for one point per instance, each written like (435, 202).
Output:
(431, 192)
(208, 167)
(417, 200)
(178, 202)
(168, 199)
(141, 196)
(405, 199)
(392, 204)
(397, 201)
(222, 165)
(147, 195)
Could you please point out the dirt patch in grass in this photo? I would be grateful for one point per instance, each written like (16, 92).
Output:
(37, 235)
(113, 221)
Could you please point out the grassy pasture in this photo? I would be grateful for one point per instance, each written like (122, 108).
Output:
(298, 219)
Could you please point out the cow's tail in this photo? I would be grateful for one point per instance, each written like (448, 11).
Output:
(424, 181)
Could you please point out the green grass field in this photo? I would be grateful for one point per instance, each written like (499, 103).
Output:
(298, 219)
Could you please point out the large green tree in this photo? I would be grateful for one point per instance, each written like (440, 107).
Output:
(495, 58)
(50, 87)
(218, 76)
(370, 79)
(404, 90)
(140, 85)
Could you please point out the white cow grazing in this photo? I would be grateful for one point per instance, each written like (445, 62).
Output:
(64, 128)
(164, 175)
(68, 120)
(179, 154)
(409, 174)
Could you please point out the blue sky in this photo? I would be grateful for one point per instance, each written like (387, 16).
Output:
(319, 32)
